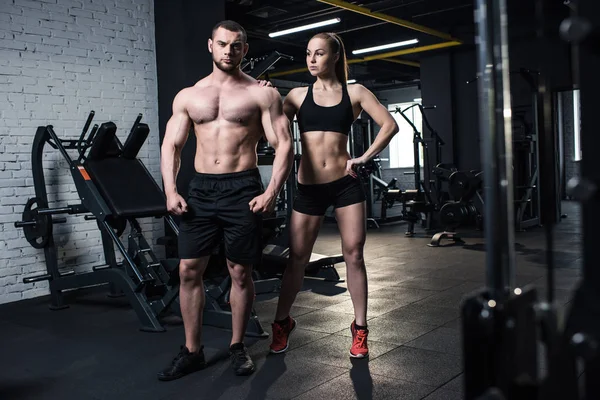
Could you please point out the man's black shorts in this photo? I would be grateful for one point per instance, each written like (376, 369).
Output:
(218, 209)
(316, 199)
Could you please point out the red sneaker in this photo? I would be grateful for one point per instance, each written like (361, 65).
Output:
(281, 335)
(359, 347)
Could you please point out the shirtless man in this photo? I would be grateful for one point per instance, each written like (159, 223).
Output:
(230, 112)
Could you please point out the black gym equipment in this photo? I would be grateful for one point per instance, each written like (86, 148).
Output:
(256, 67)
(103, 179)
(465, 206)
(427, 196)
(525, 147)
(503, 324)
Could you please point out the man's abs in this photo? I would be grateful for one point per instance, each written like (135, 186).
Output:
(221, 150)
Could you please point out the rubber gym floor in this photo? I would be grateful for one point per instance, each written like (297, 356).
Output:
(94, 350)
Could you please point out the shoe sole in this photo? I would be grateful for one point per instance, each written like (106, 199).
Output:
(288, 342)
(175, 377)
(246, 373)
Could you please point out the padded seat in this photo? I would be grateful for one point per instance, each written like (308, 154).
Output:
(127, 187)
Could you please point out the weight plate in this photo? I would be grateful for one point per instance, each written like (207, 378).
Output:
(37, 235)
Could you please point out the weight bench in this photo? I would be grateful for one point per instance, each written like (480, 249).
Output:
(319, 265)
(115, 187)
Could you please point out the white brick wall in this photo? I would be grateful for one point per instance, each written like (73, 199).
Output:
(59, 59)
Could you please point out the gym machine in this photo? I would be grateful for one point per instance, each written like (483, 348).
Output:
(465, 206)
(502, 324)
(103, 179)
(376, 189)
(255, 67)
(427, 196)
(525, 147)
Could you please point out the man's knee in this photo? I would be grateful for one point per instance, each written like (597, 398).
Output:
(241, 275)
(191, 271)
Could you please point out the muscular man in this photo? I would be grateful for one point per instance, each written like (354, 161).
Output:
(230, 112)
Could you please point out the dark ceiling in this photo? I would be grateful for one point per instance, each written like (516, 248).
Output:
(452, 17)
(259, 17)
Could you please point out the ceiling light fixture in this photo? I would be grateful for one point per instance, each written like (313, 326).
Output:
(386, 46)
(349, 81)
(305, 27)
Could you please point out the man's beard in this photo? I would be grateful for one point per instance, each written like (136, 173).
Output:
(226, 67)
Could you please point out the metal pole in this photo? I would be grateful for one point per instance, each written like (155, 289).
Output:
(496, 144)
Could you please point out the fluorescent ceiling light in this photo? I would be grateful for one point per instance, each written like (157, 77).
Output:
(418, 99)
(305, 27)
(386, 46)
(349, 81)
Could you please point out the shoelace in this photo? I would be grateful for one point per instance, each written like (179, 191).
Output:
(239, 355)
(361, 338)
(178, 357)
(278, 330)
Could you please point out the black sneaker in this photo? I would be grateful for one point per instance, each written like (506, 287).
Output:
(240, 359)
(184, 363)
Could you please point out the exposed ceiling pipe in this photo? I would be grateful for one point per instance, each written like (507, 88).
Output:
(404, 62)
(358, 28)
(380, 56)
(388, 18)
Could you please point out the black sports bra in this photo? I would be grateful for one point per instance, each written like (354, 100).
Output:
(313, 117)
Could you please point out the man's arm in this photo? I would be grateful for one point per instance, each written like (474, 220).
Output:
(175, 137)
(382, 117)
(277, 131)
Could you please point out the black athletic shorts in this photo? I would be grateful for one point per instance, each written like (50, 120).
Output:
(316, 199)
(218, 210)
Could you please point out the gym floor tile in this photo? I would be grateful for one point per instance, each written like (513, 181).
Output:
(265, 310)
(444, 340)
(334, 350)
(314, 300)
(448, 299)
(430, 283)
(455, 324)
(423, 314)
(360, 384)
(276, 377)
(444, 394)
(455, 385)
(394, 331)
(325, 321)
(388, 278)
(416, 365)
(407, 295)
(376, 306)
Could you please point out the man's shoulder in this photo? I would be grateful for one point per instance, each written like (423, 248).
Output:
(264, 94)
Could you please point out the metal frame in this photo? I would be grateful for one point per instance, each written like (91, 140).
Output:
(130, 278)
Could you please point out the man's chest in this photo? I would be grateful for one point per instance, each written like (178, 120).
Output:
(233, 106)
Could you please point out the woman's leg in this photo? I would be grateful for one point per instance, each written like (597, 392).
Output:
(352, 225)
(303, 232)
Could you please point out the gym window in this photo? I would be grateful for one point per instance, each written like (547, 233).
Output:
(576, 126)
(401, 147)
